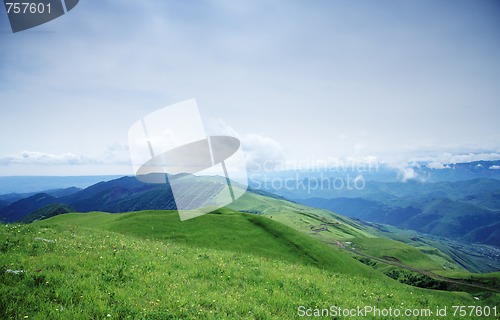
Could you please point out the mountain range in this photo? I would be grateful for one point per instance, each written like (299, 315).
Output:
(467, 210)
(118, 195)
(462, 210)
(464, 214)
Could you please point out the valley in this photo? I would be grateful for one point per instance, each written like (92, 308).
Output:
(288, 244)
(148, 264)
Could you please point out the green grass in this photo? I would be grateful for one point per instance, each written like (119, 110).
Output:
(423, 245)
(450, 255)
(329, 227)
(393, 250)
(148, 265)
(491, 279)
(303, 218)
(225, 230)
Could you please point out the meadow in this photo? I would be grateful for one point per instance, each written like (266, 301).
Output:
(228, 265)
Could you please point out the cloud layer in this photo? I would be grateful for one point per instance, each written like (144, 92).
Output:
(114, 155)
(302, 74)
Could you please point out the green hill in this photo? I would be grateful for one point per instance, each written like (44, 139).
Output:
(332, 228)
(128, 194)
(225, 229)
(48, 211)
(446, 209)
(227, 265)
(489, 234)
(323, 223)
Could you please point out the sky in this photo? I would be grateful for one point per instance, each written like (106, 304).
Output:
(296, 81)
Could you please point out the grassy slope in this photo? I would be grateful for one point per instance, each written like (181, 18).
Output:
(381, 241)
(452, 255)
(338, 228)
(432, 249)
(226, 230)
(301, 217)
(389, 249)
(492, 278)
(148, 265)
(48, 211)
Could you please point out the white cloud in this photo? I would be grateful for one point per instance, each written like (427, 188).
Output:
(470, 157)
(494, 167)
(219, 127)
(115, 154)
(451, 158)
(262, 153)
(42, 158)
(438, 165)
(408, 173)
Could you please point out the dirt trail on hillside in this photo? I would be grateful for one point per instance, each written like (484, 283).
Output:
(472, 283)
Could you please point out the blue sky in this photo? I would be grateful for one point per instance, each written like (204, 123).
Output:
(395, 80)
